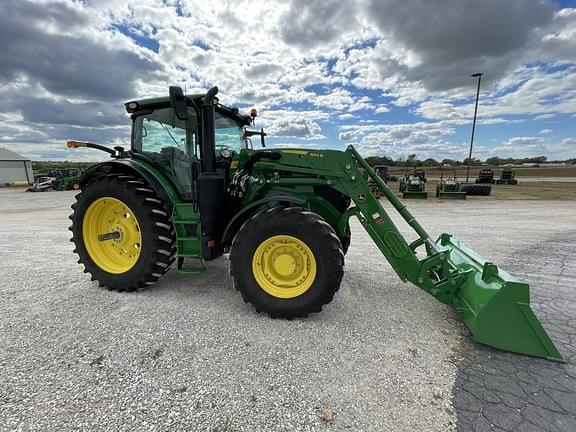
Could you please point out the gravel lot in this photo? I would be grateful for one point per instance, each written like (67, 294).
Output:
(188, 354)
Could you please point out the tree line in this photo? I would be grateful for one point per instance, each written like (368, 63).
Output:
(413, 160)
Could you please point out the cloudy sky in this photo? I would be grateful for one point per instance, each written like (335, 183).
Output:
(389, 76)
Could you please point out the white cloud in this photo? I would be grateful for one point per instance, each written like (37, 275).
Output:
(309, 67)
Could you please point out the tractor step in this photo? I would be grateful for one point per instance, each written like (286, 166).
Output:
(188, 269)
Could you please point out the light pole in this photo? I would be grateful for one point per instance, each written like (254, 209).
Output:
(479, 76)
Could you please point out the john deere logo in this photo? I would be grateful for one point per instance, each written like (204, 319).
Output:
(361, 197)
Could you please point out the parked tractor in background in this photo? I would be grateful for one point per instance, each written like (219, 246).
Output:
(67, 179)
(486, 176)
(60, 179)
(413, 185)
(449, 188)
(191, 188)
(508, 177)
(382, 172)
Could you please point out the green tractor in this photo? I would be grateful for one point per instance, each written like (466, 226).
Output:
(507, 176)
(67, 179)
(449, 188)
(486, 175)
(191, 188)
(58, 179)
(413, 186)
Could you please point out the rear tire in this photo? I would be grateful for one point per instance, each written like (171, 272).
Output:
(157, 249)
(307, 231)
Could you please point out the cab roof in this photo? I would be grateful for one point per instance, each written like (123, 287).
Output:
(194, 99)
(161, 100)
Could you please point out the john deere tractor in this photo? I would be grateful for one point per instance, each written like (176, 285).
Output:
(191, 188)
(412, 186)
(449, 187)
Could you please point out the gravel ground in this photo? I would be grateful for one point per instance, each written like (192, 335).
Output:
(499, 391)
(188, 354)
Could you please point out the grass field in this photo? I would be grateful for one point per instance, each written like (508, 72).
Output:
(521, 191)
(569, 171)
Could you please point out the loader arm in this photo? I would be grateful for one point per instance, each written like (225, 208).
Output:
(493, 304)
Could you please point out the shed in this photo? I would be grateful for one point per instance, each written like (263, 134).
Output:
(14, 168)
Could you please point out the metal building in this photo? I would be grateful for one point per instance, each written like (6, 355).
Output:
(14, 169)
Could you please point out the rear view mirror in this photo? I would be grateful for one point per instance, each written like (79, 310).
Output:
(178, 102)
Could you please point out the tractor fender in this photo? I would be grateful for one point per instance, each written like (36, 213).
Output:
(243, 215)
(129, 166)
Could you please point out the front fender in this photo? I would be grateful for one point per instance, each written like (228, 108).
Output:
(246, 212)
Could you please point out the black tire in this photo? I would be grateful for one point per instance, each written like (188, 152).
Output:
(477, 189)
(345, 241)
(318, 236)
(158, 248)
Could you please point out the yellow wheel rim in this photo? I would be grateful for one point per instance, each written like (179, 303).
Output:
(112, 235)
(284, 266)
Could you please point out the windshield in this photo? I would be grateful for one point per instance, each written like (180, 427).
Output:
(161, 130)
(229, 134)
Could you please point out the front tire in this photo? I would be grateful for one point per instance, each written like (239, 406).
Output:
(122, 233)
(287, 262)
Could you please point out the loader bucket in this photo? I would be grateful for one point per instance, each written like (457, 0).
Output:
(495, 306)
(414, 195)
(452, 195)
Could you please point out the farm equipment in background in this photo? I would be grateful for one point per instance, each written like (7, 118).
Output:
(67, 179)
(58, 179)
(41, 184)
(191, 188)
(507, 176)
(413, 186)
(473, 189)
(382, 172)
(485, 176)
(449, 188)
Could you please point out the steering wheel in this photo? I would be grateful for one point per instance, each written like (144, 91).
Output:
(223, 152)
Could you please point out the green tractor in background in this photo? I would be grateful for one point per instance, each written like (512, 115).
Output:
(507, 176)
(449, 187)
(190, 188)
(67, 179)
(413, 186)
(486, 176)
(57, 179)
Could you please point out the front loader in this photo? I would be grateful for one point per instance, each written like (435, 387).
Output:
(191, 188)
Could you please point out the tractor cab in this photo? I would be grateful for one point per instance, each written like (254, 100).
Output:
(171, 140)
